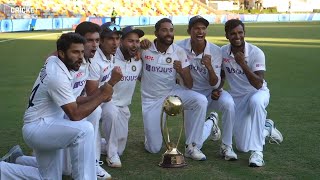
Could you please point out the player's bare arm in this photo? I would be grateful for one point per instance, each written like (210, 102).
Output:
(255, 78)
(91, 87)
(206, 61)
(77, 111)
(184, 73)
(215, 94)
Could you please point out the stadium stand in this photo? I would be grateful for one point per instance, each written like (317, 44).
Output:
(102, 8)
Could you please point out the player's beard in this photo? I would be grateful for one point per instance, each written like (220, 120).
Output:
(164, 41)
(75, 66)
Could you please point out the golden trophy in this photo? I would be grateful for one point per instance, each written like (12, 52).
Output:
(172, 158)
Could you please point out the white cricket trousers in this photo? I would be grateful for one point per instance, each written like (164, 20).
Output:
(250, 120)
(48, 137)
(94, 118)
(114, 121)
(151, 111)
(224, 104)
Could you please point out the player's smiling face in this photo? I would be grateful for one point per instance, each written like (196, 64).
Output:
(165, 33)
(91, 45)
(236, 36)
(130, 44)
(73, 57)
(198, 32)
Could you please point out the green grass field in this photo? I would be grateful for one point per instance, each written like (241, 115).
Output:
(291, 51)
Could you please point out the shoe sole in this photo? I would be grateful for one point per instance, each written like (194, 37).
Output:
(114, 166)
(255, 165)
(12, 150)
(230, 159)
(203, 159)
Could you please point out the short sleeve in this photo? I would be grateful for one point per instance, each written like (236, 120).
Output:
(60, 91)
(94, 71)
(258, 61)
(183, 58)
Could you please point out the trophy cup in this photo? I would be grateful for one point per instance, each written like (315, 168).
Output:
(172, 158)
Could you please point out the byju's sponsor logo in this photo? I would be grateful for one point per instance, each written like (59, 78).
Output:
(233, 70)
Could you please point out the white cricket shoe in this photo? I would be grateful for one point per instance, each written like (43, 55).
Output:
(256, 159)
(275, 135)
(228, 153)
(12, 155)
(215, 133)
(193, 152)
(101, 173)
(114, 161)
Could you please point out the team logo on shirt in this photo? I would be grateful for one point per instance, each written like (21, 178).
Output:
(134, 68)
(169, 60)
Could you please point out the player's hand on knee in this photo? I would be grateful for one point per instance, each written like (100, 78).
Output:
(215, 95)
(116, 75)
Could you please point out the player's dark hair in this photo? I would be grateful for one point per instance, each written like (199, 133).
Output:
(87, 27)
(163, 20)
(231, 24)
(65, 40)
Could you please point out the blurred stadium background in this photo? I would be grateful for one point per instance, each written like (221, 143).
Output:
(128, 8)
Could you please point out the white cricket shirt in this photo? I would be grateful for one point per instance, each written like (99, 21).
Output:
(238, 81)
(124, 89)
(51, 90)
(198, 71)
(80, 78)
(158, 75)
(100, 67)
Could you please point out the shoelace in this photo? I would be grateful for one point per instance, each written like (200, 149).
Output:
(256, 155)
(272, 140)
(99, 163)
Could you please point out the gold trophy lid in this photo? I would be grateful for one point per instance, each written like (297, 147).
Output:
(172, 105)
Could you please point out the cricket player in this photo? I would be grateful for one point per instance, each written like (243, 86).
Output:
(116, 113)
(244, 66)
(205, 67)
(102, 67)
(90, 31)
(47, 131)
(163, 62)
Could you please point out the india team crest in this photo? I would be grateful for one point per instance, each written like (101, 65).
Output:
(134, 68)
(169, 60)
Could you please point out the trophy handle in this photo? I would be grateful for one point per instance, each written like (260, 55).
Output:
(166, 137)
(181, 128)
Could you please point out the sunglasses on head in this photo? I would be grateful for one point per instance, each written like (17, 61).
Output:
(114, 28)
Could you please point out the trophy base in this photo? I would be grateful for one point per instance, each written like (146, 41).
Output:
(172, 161)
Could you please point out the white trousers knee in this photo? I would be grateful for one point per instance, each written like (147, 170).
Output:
(115, 122)
(50, 135)
(151, 111)
(250, 120)
(93, 118)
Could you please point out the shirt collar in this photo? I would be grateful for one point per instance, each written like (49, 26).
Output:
(189, 48)
(63, 67)
(103, 56)
(120, 56)
(153, 48)
(246, 50)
